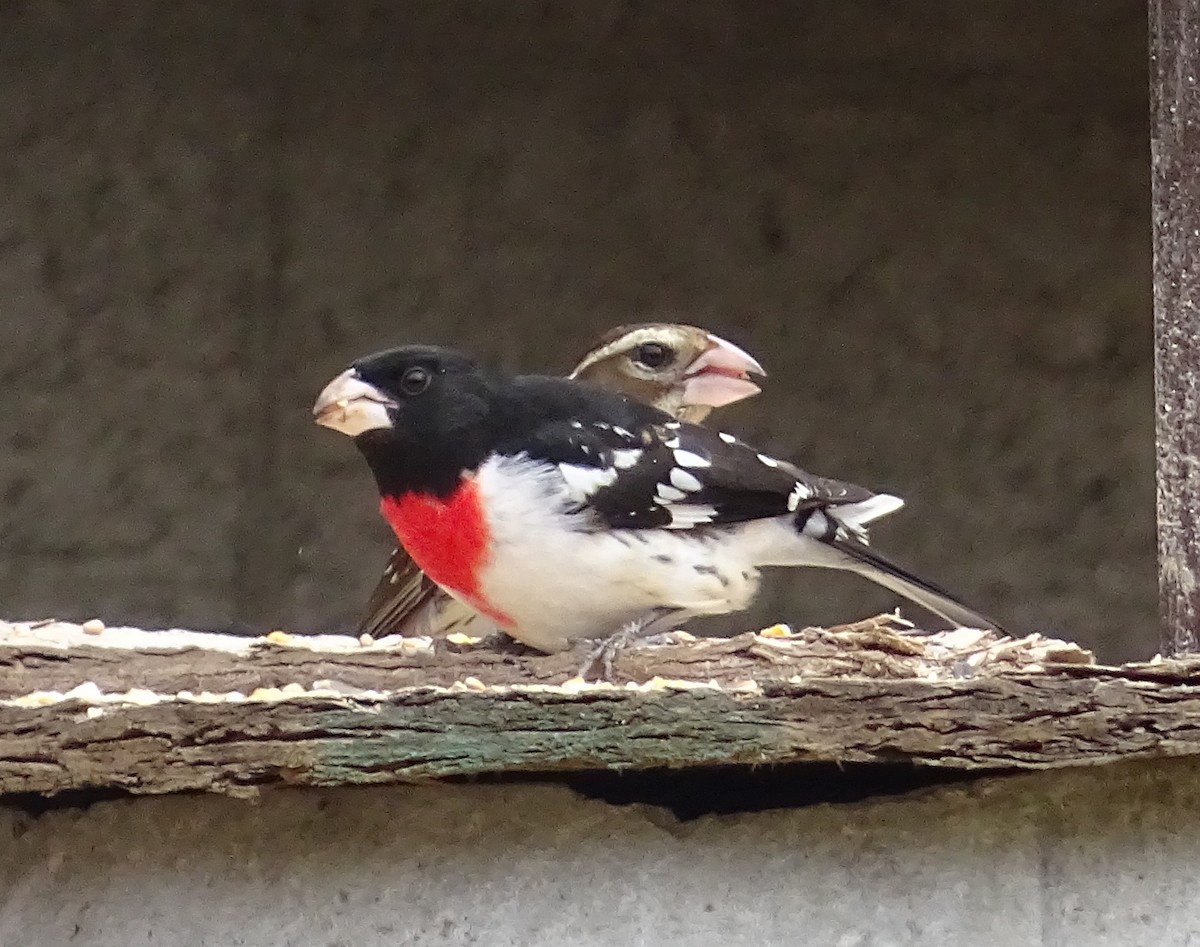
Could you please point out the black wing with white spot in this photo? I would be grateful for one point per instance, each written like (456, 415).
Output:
(679, 476)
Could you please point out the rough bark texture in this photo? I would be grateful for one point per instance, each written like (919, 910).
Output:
(1175, 154)
(162, 717)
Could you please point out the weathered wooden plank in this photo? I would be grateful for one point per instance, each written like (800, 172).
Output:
(1175, 158)
(1030, 721)
(135, 715)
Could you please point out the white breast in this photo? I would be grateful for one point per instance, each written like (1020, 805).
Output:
(560, 579)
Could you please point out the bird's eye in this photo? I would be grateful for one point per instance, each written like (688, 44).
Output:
(654, 354)
(415, 380)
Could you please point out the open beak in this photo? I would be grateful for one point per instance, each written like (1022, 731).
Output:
(351, 406)
(720, 375)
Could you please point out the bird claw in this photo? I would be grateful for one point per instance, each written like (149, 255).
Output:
(608, 649)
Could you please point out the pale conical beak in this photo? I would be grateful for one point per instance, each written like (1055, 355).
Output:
(720, 375)
(351, 406)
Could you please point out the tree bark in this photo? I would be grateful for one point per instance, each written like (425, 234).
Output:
(160, 712)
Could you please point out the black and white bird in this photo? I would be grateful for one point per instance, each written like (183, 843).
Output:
(681, 369)
(563, 511)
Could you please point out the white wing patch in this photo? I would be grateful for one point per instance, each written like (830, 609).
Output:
(668, 494)
(686, 458)
(768, 461)
(626, 457)
(688, 515)
(727, 438)
(682, 480)
(801, 492)
(583, 482)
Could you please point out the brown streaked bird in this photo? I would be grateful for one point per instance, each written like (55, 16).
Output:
(681, 369)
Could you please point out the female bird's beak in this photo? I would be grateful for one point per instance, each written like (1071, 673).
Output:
(720, 375)
(352, 407)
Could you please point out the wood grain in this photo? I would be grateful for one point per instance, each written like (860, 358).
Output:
(1175, 184)
(860, 693)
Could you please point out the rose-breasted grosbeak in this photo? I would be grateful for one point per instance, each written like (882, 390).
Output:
(561, 510)
(680, 369)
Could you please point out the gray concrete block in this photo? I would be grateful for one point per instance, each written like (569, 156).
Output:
(135, 246)
(1084, 857)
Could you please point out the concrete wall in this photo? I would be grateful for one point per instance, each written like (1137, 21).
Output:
(930, 220)
(1102, 858)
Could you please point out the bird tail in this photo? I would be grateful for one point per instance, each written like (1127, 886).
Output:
(862, 559)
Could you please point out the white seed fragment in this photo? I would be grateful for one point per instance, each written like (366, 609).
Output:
(475, 684)
(38, 699)
(93, 626)
(366, 639)
(88, 690)
(574, 685)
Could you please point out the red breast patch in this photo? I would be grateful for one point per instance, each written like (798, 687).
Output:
(448, 538)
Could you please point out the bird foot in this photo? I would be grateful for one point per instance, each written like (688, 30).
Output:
(608, 649)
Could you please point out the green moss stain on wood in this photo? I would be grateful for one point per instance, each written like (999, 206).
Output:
(476, 734)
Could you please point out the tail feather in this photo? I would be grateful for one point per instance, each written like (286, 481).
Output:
(859, 515)
(871, 565)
